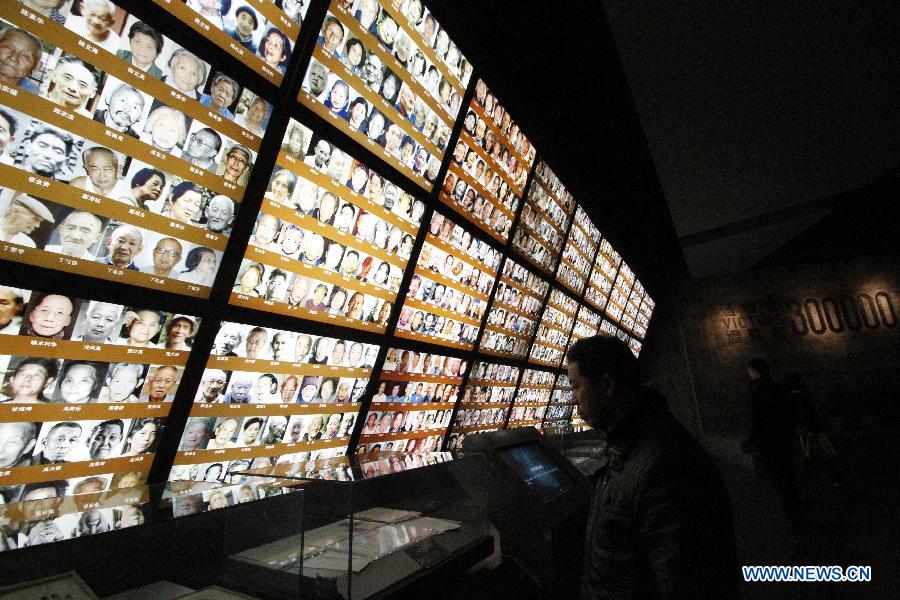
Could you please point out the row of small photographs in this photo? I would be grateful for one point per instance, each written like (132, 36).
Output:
(262, 343)
(550, 229)
(398, 463)
(511, 321)
(40, 380)
(405, 421)
(532, 248)
(359, 56)
(354, 109)
(149, 53)
(485, 371)
(220, 433)
(415, 445)
(251, 30)
(502, 120)
(425, 363)
(498, 341)
(83, 235)
(378, 22)
(78, 86)
(526, 413)
(415, 392)
(471, 417)
(42, 530)
(563, 198)
(184, 477)
(28, 443)
(302, 144)
(494, 147)
(472, 203)
(546, 354)
(490, 394)
(240, 387)
(222, 497)
(61, 317)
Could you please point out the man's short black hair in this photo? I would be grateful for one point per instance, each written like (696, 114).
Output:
(759, 365)
(601, 355)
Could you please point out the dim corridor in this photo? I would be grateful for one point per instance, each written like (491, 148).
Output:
(855, 524)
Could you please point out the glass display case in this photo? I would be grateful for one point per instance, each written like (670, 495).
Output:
(371, 525)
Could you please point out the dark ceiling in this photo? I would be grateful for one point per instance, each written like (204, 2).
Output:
(750, 112)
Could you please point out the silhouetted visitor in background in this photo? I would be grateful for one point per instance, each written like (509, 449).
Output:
(660, 523)
(816, 449)
(771, 423)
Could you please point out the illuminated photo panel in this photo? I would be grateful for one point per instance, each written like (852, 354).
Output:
(46, 514)
(485, 402)
(449, 291)
(578, 256)
(331, 240)
(124, 170)
(618, 298)
(269, 396)
(85, 390)
(545, 219)
(256, 32)
(552, 338)
(531, 399)
(490, 165)
(603, 275)
(587, 324)
(414, 401)
(375, 76)
(513, 317)
(559, 410)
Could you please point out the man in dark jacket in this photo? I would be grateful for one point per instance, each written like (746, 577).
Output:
(772, 419)
(660, 524)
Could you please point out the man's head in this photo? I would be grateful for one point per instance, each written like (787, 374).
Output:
(602, 372)
(228, 338)
(100, 320)
(20, 53)
(16, 440)
(241, 384)
(317, 76)
(124, 244)
(219, 212)
(61, 440)
(758, 369)
(124, 107)
(102, 167)
(203, 144)
(31, 377)
(245, 22)
(166, 255)
(74, 83)
(45, 150)
(25, 214)
(51, 315)
(78, 232)
(161, 382)
(195, 434)
(212, 384)
(322, 154)
(11, 304)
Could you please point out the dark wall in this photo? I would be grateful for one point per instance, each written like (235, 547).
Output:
(834, 322)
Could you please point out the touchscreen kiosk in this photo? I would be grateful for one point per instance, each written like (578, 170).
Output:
(538, 502)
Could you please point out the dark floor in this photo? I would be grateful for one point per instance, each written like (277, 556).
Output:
(855, 524)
